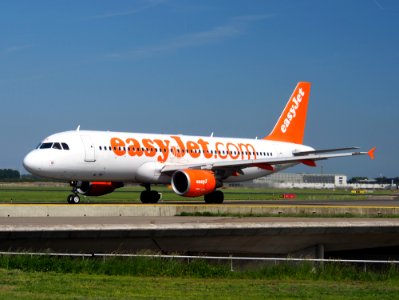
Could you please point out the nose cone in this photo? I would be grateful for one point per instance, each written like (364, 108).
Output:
(33, 162)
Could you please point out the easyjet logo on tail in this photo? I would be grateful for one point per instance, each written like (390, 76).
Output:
(292, 112)
(290, 127)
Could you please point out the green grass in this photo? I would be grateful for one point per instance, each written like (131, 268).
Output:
(20, 285)
(53, 194)
(24, 277)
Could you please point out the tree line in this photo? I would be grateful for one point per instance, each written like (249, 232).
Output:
(10, 175)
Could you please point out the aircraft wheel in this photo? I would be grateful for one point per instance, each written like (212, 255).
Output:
(150, 197)
(70, 199)
(73, 199)
(76, 199)
(144, 197)
(215, 197)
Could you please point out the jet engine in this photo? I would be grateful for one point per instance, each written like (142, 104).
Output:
(193, 183)
(97, 188)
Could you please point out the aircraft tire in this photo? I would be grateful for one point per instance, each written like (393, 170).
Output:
(76, 199)
(150, 197)
(70, 199)
(216, 197)
(73, 199)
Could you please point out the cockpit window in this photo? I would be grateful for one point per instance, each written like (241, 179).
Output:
(65, 146)
(46, 145)
(57, 146)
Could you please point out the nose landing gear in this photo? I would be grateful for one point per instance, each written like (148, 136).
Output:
(74, 198)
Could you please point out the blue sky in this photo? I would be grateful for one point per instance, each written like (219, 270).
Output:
(196, 67)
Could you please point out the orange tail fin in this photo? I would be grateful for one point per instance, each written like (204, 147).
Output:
(290, 127)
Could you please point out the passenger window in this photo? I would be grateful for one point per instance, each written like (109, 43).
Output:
(57, 146)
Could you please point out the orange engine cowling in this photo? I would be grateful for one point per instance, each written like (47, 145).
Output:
(193, 183)
(98, 188)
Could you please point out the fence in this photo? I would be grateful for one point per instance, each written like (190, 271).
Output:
(231, 259)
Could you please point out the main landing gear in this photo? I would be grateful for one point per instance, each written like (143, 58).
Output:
(74, 198)
(216, 197)
(149, 196)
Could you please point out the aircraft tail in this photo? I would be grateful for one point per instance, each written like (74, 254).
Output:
(290, 127)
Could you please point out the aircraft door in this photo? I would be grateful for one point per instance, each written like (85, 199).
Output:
(90, 155)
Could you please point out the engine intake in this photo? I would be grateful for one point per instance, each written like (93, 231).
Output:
(193, 183)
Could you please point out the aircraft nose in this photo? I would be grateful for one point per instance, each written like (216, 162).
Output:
(32, 162)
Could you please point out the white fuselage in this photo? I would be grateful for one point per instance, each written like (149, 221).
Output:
(136, 157)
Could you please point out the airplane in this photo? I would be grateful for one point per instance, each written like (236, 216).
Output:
(96, 163)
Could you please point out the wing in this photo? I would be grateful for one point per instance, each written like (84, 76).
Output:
(308, 158)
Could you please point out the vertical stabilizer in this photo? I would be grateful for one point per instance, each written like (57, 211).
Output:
(290, 127)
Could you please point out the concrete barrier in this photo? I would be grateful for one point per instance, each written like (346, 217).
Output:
(139, 210)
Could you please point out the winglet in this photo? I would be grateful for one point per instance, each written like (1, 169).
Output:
(290, 127)
(371, 152)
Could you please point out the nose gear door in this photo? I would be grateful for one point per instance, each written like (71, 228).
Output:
(90, 155)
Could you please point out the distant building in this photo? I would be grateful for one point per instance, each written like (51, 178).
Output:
(291, 180)
(315, 181)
